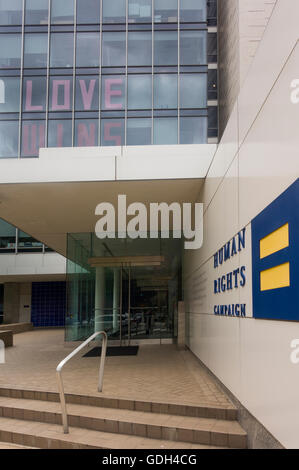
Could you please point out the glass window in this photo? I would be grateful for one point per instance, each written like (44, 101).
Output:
(193, 91)
(9, 95)
(86, 132)
(139, 131)
(165, 131)
(88, 11)
(166, 48)
(9, 138)
(34, 94)
(112, 132)
(193, 11)
(87, 93)
(193, 130)
(36, 50)
(193, 47)
(88, 50)
(33, 137)
(59, 133)
(62, 50)
(114, 12)
(165, 91)
(28, 243)
(140, 48)
(114, 49)
(113, 92)
(36, 11)
(140, 11)
(139, 92)
(11, 12)
(61, 93)
(212, 84)
(7, 236)
(212, 48)
(10, 50)
(166, 11)
(62, 12)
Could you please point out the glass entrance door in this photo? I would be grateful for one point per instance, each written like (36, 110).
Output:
(133, 303)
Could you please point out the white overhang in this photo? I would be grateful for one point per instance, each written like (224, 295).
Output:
(56, 194)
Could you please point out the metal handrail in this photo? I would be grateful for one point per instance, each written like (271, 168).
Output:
(62, 363)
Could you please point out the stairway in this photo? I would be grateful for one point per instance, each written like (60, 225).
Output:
(33, 419)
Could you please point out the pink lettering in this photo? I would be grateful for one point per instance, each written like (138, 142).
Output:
(29, 106)
(31, 142)
(107, 136)
(67, 95)
(109, 82)
(87, 96)
(85, 138)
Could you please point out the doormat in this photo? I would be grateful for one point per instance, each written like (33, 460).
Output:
(114, 351)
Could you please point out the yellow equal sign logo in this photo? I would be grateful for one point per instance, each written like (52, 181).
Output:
(276, 277)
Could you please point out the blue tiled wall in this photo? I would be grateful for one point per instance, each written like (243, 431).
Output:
(48, 303)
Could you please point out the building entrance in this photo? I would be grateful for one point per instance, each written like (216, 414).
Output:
(127, 288)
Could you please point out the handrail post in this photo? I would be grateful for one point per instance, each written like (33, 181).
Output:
(64, 361)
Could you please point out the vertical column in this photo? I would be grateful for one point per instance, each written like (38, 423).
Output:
(99, 303)
(116, 292)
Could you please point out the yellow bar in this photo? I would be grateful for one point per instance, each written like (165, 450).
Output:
(275, 241)
(276, 278)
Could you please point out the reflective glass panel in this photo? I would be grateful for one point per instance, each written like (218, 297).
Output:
(36, 50)
(193, 47)
(165, 91)
(112, 132)
(139, 92)
(113, 49)
(88, 50)
(10, 50)
(61, 93)
(166, 48)
(113, 92)
(7, 236)
(193, 91)
(33, 137)
(36, 11)
(11, 12)
(9, 138)
(86, 132)
(140, 11)
(9, 95)
(88, 11)
(60, 133)
(34, 94)
(140, 48)
(193, 11)
(62, 50)
(165, 131)
(193, 130)
(87, 93)
(114, 12)
(62, 12)
(28, 243)
(166, 11)
(139, 131)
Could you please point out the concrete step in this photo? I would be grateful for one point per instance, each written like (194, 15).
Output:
(223, 412)
(50, 436)
(151, 425)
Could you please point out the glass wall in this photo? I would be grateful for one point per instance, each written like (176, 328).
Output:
(13, 240)
(102, 72)
(130, 302)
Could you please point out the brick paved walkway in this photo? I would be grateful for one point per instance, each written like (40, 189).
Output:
(156, 373)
